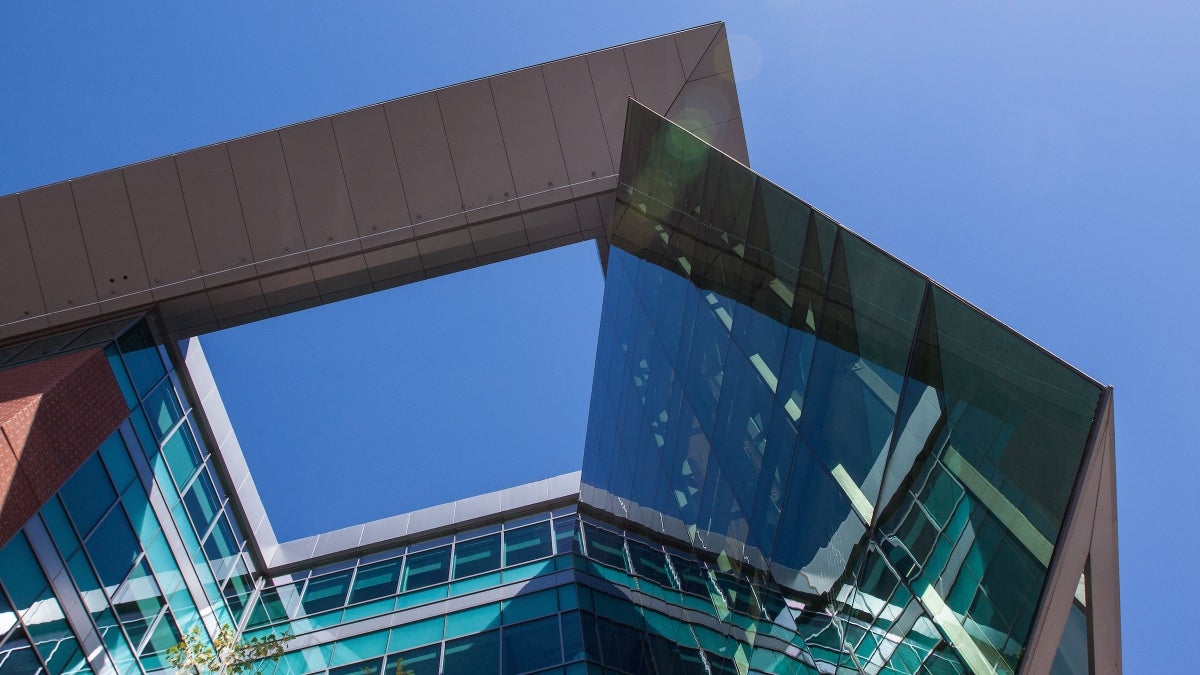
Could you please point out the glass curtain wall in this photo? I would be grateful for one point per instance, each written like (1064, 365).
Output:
(122, 537)
(815, 417)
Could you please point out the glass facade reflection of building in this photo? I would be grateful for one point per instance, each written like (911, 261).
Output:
(802, 457)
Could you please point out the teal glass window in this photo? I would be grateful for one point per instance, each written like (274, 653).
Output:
(527, 543)
(113, 548)
(325, 593)
(473, 620)
(650, 564)
(141, 357)
(201, 503)
(422, 661)
(269, 609)
(17, 656)
(530, 605)
(368, 667)
(116, 460)
(182, 455)
(374, 581)
(604, 546)
(531, 646)
(162, 409)
(427, 568)
(123, 381)
(476, 654)
(476, 556)
(566, 536)
(88, 495)
(693, 578)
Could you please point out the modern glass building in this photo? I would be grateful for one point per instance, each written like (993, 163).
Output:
(802, 456)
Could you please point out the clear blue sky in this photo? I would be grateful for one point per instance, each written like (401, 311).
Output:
(1040, 159)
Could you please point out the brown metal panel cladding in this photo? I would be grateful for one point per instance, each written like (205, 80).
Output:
(530, 137)
(58, 248)
(372, 175)
(106, 220)
(577, 118)
(419, 140)
(480, 158)
(211, 197)
(22, 296)
(53, 415)
(268, 203)
(322, 200)
(161, 218)
(610, 78)
(656, 73)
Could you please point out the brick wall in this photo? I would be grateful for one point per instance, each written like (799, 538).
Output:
(53, 415)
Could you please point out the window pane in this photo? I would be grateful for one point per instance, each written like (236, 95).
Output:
(530, 605)
(376, 581)
(162, 409)
(604, 546)
(427, 568)
(88, 495)
(476, 556)
(324, 593)
(182, 456)
(650, 564)
(141, 357)
(113, 548)
(477, 654)
(532, 645)
(527, 543)
(201, 503)
(423, 661)
(17, 657)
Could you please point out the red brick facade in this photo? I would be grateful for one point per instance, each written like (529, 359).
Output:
(53, 415)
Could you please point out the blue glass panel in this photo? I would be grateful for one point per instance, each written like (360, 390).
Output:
(116, 460)
(162, 409)
(141, 357)
(21, 574)
(113, 548)
(88, 494)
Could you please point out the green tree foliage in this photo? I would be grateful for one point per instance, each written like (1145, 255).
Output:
(226, 654)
